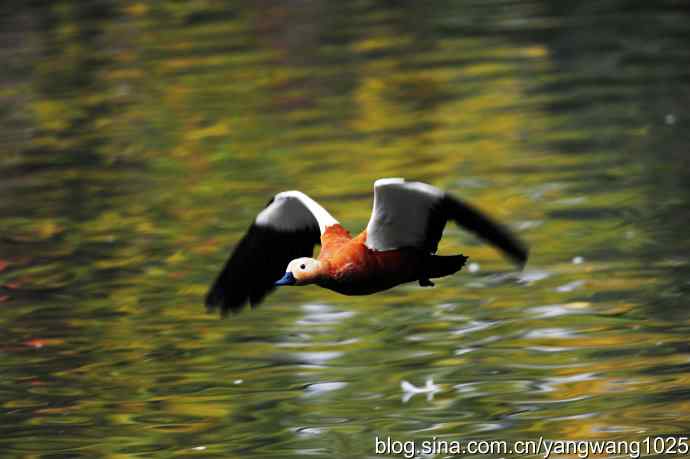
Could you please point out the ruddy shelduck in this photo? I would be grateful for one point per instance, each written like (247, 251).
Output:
(397, 246)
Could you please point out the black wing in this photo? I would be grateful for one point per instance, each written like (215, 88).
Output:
(283, 231)
(413, 214)
(473, 220)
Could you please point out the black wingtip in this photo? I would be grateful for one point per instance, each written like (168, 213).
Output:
(229, 291)
(217, 299)
(491, 231)
(515, 249)
(214, 297)
(520, 260)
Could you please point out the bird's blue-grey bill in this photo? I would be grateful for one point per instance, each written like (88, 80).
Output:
(287, 279)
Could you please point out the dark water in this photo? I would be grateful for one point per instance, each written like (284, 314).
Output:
(139, 141)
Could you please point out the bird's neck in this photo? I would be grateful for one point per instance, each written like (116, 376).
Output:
(332, 240)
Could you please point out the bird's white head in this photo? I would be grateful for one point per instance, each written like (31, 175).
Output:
(301, 271)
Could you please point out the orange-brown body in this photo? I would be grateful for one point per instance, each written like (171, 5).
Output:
(348, 266)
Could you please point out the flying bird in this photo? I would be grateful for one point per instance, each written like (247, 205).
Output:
(397, 246)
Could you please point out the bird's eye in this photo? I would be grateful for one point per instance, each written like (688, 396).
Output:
(302, 266)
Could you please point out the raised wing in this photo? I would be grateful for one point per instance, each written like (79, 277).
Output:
(413, 214)
(288, 228)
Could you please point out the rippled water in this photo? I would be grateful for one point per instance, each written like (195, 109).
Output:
(138, 142)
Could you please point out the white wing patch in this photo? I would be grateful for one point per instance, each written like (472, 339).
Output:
(291, 213)
(401, 213)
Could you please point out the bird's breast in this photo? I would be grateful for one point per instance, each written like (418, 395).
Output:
(358, 270)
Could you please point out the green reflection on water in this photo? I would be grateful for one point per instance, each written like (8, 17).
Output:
(140, 140)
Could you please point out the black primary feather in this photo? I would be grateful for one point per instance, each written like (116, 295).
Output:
(473, 220)
(261, 256)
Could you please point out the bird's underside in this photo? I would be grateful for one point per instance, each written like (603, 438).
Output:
(433, 267)
(355, 269)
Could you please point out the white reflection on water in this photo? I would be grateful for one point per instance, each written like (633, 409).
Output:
(410, 390)
(549, 333)
(556, 310)
(322, 314)
(316, 358)
(323, 387)
(473, 326)
(570, 286)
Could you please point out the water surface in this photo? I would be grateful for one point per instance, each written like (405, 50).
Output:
(138, 142)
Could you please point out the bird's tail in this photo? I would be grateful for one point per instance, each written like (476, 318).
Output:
(440, 266)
